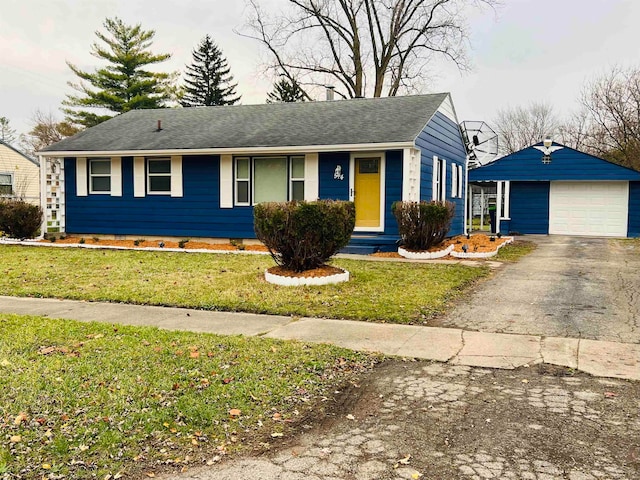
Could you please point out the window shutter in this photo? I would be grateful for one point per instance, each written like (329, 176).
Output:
(226, 181)
(81, 176)
(116, 176)
(434, 182)
(454, 180)
(311, 183)
(443, 180)
(460, 182)
(139, 186)
(176, 176)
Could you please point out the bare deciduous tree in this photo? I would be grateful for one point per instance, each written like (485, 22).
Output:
(375, 47)
(520, 127)
(612, 103)
(45, 130)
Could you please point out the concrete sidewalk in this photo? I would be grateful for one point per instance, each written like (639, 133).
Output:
(454, 346)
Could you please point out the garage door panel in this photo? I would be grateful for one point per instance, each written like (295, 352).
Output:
(589, 208)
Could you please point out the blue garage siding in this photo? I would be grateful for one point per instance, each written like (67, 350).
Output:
(566, 164)
(634, 210)
(442, 137)
(196, 214)
(529, 207)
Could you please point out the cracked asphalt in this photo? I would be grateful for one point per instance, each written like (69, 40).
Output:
(411, 420)
(576, 287)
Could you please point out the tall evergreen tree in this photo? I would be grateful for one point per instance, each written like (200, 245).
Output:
(123, 84)
(285, 90)
(208, 79)
(7, 134)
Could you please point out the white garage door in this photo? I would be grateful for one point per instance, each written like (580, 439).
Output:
(589, 208)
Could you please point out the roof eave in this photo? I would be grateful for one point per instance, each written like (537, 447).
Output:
(232, 150)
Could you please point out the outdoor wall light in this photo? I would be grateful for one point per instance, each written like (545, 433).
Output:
(547, 149)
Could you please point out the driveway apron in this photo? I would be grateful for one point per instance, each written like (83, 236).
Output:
(578, 287)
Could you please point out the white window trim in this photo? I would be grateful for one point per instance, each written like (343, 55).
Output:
(352, 180)
(227, 181)
(12, 184)
(81, 177)
(149, 175)
(90, 176)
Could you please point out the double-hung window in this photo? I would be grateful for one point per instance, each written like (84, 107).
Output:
(269, 179)
(439, 179)
(6, 184)
(100, 175)
(159, 176)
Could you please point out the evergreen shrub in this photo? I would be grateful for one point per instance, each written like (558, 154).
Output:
(424, 224)
(19, 219)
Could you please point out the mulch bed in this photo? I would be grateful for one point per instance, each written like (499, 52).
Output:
(190, 245)
(477, 243)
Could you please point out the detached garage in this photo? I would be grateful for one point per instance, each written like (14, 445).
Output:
(559, 190)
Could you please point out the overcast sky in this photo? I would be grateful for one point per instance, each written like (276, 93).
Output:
(526, 51)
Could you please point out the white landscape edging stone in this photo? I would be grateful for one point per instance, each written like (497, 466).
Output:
(303, 281)
(507, 240)
(425, 255)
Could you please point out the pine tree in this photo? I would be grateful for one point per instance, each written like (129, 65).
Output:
(208, 80)
(287, 91)
(7, 134)
(124, 84)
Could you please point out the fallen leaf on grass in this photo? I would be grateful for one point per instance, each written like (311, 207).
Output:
(194, 354)
(350, 417)
(16, 439)
(235, 412)
(403, 461)
(277, 434)
(610, 394)
(416, 475)
(21, 417)
(46, 350)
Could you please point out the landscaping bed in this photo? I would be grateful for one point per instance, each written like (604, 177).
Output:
(143, 243)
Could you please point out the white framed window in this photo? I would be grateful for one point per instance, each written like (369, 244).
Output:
(100, 176)
(439, 187)
(159, 176)
(268, 179)
(243, 181)
(296, 185)
(6, 185)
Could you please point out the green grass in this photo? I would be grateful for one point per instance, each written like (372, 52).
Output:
(515, 251)
(378, 291)
(82, 400)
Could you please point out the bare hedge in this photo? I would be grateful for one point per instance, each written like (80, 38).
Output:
(423, 224)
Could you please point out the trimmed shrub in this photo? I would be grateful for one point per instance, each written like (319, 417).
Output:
(304, 235)
(19, 219)
(423, 225)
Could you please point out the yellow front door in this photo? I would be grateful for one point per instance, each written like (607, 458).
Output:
(367, 191)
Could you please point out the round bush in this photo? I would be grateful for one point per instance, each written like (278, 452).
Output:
(424, 224)
(19, 219)
(304, 235)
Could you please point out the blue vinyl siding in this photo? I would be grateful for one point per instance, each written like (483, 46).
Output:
(566, 164)
(442, 137)
(196, 214)
(393, 189)
(329, 187)
(634, 210)
(529, 207)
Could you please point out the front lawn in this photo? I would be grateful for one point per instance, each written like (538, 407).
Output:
(378, 291)
(85, 400)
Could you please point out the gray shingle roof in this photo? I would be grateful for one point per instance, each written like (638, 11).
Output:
(340, 122)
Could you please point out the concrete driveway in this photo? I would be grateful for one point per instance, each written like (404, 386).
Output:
(577, 287)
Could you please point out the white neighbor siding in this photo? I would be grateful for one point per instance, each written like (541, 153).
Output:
(25, 174)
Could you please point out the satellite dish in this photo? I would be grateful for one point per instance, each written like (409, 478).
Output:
(480, 141)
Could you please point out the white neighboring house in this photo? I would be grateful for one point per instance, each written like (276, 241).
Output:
(19, 175)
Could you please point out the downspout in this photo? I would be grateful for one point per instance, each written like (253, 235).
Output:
(467, 195)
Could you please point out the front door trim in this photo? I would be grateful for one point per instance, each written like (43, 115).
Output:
(352, 179)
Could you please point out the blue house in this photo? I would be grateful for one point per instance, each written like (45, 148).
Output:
(197, 172)
(559, 190)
